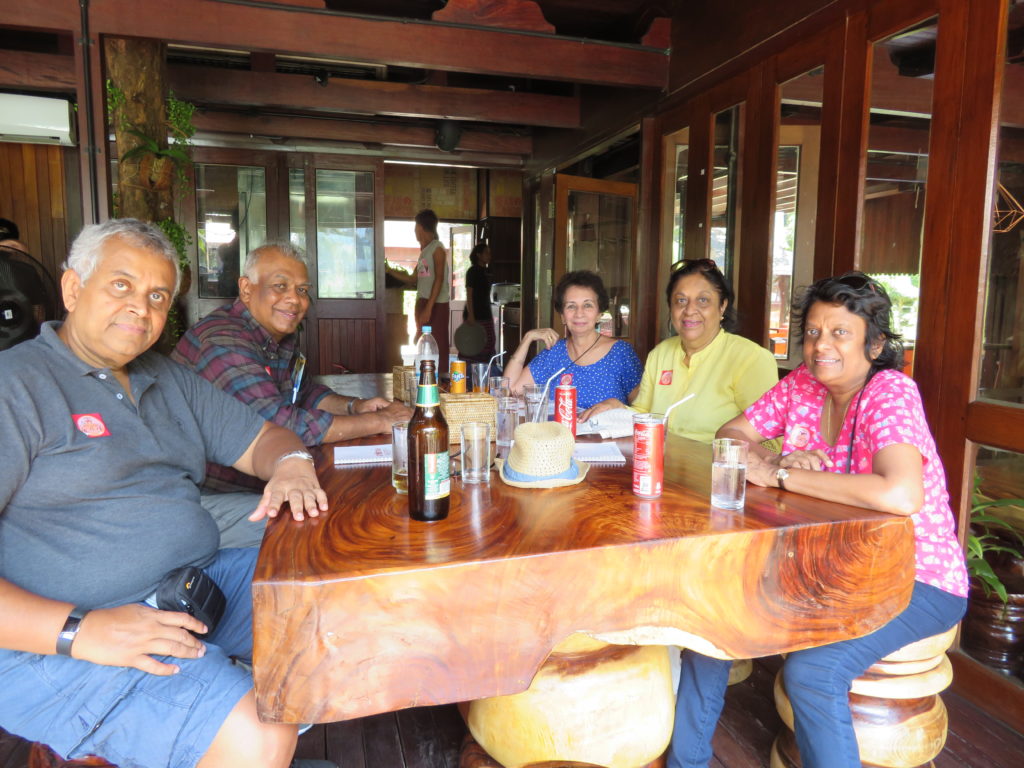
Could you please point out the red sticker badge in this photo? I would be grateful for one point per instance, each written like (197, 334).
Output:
(90, 424)
(800, 437)
(566, 378)
(666, 378)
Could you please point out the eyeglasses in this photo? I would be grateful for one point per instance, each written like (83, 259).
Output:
(858, 281)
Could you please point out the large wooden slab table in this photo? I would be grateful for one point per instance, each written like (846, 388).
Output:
(364, 611)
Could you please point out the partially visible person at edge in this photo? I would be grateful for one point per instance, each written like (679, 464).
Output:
(605, 371)
(23, 274)
(723, 371)
(248, 349)
(854, 432)
(433, 284)
(104, 445)
(478, 299)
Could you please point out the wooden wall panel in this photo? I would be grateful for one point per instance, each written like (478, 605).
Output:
(32, 195)
(351, 342)
(892, 233)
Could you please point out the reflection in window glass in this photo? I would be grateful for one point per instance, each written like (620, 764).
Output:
(1002, 357)
(783, 248)
(600, 239)
(897, 168)
(460, 243)
(344, 234)
(679, 206)
(723, 191)
(231, 220)
(297, 207)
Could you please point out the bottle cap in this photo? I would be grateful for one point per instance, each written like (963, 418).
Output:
(426, 329)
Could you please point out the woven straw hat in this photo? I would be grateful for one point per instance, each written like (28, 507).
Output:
(541, 457)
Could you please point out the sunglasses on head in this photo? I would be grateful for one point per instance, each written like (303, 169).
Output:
(702, 264)
(858, 282)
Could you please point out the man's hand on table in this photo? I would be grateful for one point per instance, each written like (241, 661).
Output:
(130, 635)
(294, 481)
(370, 405)
(393, 411)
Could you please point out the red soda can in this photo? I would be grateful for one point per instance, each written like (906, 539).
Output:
(648, 455)
(565, 406)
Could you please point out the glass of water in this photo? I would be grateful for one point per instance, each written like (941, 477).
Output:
(400, 456)
(508, 420)
(728, 473)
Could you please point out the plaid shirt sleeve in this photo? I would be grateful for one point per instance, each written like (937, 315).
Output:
(241, 372)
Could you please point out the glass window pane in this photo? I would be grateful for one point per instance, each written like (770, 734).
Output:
(344, 234)
(600, 239)
(297, 207)
(723, 190)
(679, 205)
(1002, 357)
(461, 243)
(231, 220)
(793, 222)
(897, 168)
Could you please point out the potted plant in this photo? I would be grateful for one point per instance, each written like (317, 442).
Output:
(993, 629)
(156, 163)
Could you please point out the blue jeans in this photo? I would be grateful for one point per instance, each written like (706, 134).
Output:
(817, 680)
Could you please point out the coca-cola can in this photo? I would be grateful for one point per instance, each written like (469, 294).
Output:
(648, 454)
(565, 406)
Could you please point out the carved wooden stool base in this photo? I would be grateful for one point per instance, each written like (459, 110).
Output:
(898, 716)
(589, 704)
(474, 756)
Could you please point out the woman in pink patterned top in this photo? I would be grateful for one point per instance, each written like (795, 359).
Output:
(854, 432)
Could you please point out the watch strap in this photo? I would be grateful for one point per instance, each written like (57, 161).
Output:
(69, 632)
(780, 477)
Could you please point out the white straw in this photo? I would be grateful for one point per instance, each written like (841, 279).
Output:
(677, 402)
(543, 407)
(490, 363)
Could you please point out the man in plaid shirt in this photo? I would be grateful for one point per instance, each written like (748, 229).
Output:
(249, 350)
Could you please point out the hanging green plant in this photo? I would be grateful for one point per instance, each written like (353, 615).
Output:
(179, 238)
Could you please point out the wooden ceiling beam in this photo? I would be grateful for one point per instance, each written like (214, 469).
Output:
(406, 42)
(341, 130)
(209, 85)
(37, 71)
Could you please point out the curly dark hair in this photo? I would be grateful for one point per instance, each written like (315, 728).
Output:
(710, 272)
(581, 278)
(865, 298)
(428, 220)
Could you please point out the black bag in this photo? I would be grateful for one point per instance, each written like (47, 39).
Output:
(190, 590)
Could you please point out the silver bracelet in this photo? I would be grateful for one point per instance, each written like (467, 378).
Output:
(69, 632)
(351, 407)
(295, 455)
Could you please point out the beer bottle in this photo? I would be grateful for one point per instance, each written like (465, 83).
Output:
(429, 483)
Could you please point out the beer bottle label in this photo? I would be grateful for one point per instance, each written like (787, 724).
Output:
(436, 483)
(427, 395)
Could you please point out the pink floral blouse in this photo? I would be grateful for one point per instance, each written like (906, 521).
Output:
(889, 411)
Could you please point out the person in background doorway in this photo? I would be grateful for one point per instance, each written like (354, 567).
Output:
(433, 284)
(478, 299)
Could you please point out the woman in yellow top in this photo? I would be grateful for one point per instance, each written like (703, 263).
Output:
(725, 372)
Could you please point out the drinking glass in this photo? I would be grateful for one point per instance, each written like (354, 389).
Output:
(476, 452)
(728, 473)
(400, 456)
(534, 396)
(498, 386)
(479, 371)
(508, 420)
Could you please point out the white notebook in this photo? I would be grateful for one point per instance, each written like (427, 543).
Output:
(598, 453)
(362, 454)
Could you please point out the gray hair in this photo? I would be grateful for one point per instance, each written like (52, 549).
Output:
(286, 249)
(85, 251)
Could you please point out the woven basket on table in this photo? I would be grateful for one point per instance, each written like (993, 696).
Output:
(465, 407)
(397, 382)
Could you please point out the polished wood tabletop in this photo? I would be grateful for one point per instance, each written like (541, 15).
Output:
(364, 611)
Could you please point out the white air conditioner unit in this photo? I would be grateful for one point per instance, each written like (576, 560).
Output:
(36, 120)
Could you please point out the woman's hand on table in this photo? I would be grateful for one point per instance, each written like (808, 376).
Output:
(605, 405)
(816, 460)
(761, 471)
(294, 482)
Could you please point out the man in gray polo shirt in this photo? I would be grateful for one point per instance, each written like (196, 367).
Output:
(105, 444)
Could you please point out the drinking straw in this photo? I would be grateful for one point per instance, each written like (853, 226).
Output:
(491, 362)
(542, 408)
(677, 402)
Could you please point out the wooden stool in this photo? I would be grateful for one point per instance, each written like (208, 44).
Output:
(590, 703)
(898, 716)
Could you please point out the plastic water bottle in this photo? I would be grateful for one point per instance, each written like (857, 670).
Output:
(426, 349)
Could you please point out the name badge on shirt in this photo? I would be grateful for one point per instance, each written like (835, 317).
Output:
(665, 378)
(90, 424)
(566, 378)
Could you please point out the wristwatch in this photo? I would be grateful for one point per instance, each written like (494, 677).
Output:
(781, 476)
(68, 634)
(295, 455)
